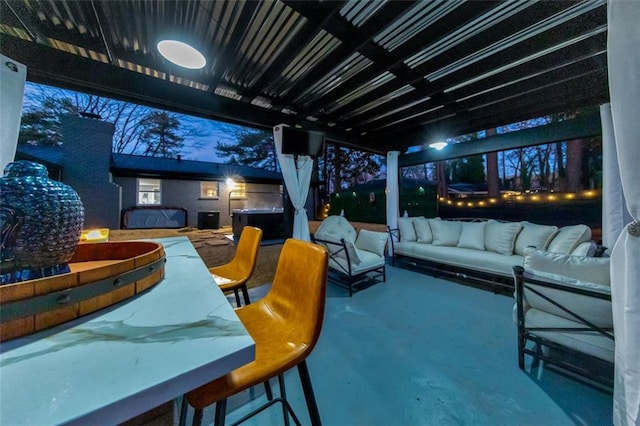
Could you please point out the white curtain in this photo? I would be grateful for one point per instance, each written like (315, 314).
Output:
(12, 78)
(297, 176)
(614, 209)
(392, 191)
(624, 85)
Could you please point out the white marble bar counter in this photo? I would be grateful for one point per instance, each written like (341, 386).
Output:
(112, 365)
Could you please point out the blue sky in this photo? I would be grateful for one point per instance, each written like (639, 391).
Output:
(200, 145)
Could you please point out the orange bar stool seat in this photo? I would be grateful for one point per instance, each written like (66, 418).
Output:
(285, 325)
(235, 274)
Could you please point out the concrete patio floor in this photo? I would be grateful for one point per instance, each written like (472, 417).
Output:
(423, 351)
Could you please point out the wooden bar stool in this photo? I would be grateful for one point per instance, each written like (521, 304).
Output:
(285, 325)
(235, 274)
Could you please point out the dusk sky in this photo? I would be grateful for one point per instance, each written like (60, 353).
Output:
(202, 134)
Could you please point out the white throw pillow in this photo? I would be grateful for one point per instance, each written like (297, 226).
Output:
(472, 235)
(372, 241)
(501, 236)
(423, 230)
(568, 238)
(534, 235)
(445, 232)
(407, 231)
(592, 269)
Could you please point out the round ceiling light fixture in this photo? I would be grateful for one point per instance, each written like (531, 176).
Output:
(438, 145)
(181, 54)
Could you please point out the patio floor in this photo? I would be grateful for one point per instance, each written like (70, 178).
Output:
(417, 350)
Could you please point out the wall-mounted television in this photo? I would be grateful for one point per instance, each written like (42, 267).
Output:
(302, 142)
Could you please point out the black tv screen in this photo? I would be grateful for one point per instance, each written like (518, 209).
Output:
(302, 142)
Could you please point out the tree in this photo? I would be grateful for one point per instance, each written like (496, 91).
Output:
(253, 148)
(347, 167)
(45, 105)
(574, 166)
(468, 169)
(160, 134)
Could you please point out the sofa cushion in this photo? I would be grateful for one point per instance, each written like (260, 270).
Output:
(590, 269)
(500, 237)
(407, 231)
(371, 241)
(534, 235)
(483, 261)
(472, 235)
(445, 232)
(585, 248)
(423, 230)
(568, 238)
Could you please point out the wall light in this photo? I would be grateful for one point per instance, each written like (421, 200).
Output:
(230, 183)
(181, 54)
(438, 145)
(94, 235)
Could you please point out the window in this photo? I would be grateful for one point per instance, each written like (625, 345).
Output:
(239, 191)
(149, 192)
(209, 190)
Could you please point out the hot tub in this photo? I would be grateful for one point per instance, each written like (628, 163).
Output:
(271, 221)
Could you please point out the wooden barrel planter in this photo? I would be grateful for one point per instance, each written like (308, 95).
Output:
(101, 274)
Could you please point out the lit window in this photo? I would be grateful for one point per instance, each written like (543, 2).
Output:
(209, 189)
(239, 190)
(149, 192)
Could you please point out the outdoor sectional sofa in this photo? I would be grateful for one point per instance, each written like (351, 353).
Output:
(481, 251)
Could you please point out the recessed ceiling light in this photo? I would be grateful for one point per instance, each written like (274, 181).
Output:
(181, 54)
(438, 145)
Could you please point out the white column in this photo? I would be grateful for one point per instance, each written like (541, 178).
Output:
(392, 191)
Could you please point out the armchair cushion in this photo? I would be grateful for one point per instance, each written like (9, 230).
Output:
(589, 269)
(372, 241)
(335, 228)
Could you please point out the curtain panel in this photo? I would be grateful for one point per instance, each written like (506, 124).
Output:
(297, 177)
(624, 85)
(12, 77)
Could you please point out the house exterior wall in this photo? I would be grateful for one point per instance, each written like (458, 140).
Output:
(86, 160)
(186, 194)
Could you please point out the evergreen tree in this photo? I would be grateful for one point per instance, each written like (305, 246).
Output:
(253, 148)
(161, 135)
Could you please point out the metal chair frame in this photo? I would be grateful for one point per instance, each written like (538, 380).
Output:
(526, 334)
(344, 276)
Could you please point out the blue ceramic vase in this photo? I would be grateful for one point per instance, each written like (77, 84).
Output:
(41, 220)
